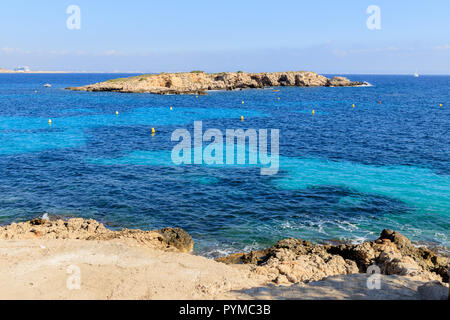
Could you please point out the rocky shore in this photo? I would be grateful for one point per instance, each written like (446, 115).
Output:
(168, 239)
(159, 264)
(296, 260)
(199, 83)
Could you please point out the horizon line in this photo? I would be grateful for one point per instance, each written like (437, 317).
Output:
(149, 72)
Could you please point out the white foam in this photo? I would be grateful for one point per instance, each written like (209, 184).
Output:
(365, 84)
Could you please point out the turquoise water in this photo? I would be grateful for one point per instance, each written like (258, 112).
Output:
(344, 173)
(21, 134)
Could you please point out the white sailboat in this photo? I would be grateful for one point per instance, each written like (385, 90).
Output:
(416, 74)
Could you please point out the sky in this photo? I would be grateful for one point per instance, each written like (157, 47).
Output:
(215, 36)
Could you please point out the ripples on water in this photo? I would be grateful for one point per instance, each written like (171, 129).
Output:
(345, 173)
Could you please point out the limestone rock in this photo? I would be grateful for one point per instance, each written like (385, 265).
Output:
(169, 239)
(38, 221)
(424, 257)
(178, 238)
(341, 82)
(200, 82)
(395, 263)
(296, 260)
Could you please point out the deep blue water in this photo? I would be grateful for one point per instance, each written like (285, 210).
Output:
(345, 173)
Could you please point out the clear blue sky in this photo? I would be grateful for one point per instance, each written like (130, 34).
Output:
(154, 36)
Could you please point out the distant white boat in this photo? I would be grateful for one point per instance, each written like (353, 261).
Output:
(416, 74)
(47, 85)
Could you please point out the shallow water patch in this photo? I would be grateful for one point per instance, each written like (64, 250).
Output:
(30, 134)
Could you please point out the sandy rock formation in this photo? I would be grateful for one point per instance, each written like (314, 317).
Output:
(168, 239)
(340, 82)
(200, 82)
(395, 254)
(295, 260)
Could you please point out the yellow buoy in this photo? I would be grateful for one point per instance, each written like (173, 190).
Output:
(153, 130)
(313, 112)
(242, 118)
(440, 105)
(353, 105)
(117, 113)
(49, 121)
(278, 98)
(196, 97)
(171, 109)
(242, 102)
(35, 91)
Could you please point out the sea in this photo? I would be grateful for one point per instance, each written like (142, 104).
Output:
(368, 158)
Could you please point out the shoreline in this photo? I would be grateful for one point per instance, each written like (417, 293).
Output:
(436, 247)
(136, 264)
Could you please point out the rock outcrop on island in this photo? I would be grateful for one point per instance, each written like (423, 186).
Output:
(200, 82)
(296, 260)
